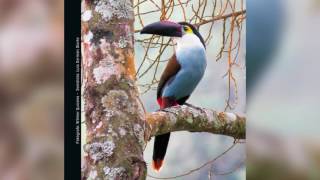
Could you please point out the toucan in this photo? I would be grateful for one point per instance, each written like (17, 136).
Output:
(182, 74)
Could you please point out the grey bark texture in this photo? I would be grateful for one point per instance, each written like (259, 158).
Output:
(195, 119)
(118, 128)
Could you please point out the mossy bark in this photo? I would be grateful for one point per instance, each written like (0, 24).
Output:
(194, 119)
(113, 116)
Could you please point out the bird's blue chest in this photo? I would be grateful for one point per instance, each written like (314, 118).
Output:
(193, 64)
(191, 58)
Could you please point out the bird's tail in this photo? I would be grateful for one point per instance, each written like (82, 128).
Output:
(159, 150)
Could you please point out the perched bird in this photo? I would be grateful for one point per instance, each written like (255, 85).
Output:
(181, 75)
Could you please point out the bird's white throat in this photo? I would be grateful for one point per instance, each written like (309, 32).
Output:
(187, 41)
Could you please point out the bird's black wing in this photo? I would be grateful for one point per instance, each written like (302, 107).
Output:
(171, 70)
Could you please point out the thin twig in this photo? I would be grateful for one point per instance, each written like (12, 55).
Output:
(196, 169)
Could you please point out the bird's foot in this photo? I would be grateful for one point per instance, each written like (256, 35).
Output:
(166, 110)
(194, 107)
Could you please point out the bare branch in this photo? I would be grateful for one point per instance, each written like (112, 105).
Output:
(216, 18)
(235, 14)
(198, 168)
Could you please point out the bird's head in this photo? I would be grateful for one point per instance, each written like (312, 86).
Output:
(172, 29)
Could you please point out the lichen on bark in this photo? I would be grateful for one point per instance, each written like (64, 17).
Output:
(193, 119)
(112, 110)
(114, 9)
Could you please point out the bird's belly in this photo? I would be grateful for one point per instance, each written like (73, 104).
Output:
(183, 84)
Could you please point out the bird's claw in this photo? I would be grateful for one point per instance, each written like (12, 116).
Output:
(166, 110)
(195, 107)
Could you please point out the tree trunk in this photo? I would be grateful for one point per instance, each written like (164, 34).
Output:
(113, 116)
(117, 126)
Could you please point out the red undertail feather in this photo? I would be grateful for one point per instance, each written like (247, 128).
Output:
(160, 101)
(165, 102)
(157, 164)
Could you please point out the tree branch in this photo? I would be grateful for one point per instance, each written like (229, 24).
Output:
(234, 14)
(186, 118)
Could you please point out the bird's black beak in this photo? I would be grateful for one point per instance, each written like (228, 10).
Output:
(163, 28)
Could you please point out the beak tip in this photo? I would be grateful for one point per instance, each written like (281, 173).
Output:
(146, 30)
(142, 31)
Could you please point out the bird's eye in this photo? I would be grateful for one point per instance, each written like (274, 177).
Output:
(186, 28)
